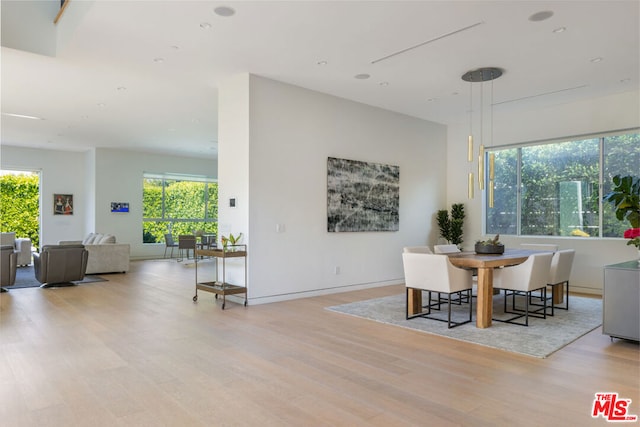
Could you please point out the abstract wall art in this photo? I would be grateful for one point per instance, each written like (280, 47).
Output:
(362, 196)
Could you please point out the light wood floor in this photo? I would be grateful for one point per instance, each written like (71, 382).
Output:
(136, 351)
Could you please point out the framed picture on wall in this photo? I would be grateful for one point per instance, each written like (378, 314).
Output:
(119, 206)
(362, 196)
(63, 204)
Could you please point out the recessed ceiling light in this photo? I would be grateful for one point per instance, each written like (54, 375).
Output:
(596, 60)
(431, 99)
(121, 88)
(541, 16)
(362, 76)
(384, 83)
(158, 60)
(22, 116)
(560, 30)
(205, 26)
(321, 63)
(174, 47)
(455, 93)
(101, 105)
(225, 11)
(624, 81)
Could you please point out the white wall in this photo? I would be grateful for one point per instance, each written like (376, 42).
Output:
(292, 132)
(96, 178)
(61, 172)
(621, 111)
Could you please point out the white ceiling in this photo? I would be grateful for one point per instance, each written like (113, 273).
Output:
(104, 88)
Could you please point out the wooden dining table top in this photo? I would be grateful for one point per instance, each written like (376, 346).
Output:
(474, 260)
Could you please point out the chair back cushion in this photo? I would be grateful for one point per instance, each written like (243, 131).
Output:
(417, 249)
(8, 238)
(186, 241)
(530, 275)
(561, 266)
(434, 273)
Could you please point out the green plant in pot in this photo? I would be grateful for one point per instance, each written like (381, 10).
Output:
(625, 200)
(230, 241)
(451, 225)
(490, 246)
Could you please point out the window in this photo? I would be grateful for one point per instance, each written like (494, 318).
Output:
(178, 205)
(20, 202)
(552, 189)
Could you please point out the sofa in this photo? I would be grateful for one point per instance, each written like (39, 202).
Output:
(105, 255)
(21, 246)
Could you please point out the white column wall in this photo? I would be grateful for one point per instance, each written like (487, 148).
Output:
(292, 132)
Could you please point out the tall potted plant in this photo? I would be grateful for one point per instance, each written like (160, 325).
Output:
(625, 200)
(451, 225)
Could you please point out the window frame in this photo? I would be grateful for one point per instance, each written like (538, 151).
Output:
(206, 219)
(601, 136)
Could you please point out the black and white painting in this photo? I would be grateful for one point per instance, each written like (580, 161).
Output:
(362, 196)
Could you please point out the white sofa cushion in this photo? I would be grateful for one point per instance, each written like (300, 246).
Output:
(89, 239)
(107, 238)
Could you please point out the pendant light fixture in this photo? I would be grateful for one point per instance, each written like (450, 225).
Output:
(481, 75)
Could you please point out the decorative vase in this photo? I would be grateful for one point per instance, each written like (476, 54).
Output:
(483, 248)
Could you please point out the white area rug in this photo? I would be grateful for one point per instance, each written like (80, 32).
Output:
(540, 339)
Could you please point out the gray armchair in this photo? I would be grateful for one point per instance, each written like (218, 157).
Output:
(8, 264)
(60, 264)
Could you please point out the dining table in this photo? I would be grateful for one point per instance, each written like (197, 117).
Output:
(485, 264)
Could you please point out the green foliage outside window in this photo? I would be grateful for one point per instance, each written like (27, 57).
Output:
(178, 207)
(20, 205)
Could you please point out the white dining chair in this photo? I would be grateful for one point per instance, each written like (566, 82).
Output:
(435, 273)
(559, 275)
(425, 250)
(523, 279)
